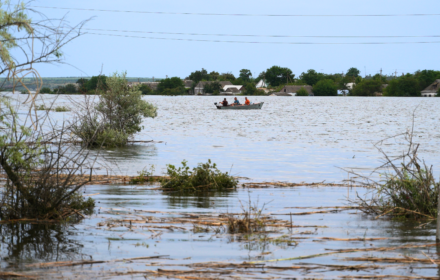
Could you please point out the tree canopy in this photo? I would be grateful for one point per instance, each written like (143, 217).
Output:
(171, 86)
(277, 75)
(403, 86)
(325, 87)
(311, 77)
(245, 75)
(353, 72)
(367, 88)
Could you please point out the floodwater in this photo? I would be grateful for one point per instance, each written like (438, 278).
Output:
(290, 139)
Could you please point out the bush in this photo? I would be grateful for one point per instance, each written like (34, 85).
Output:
(44, 181)
(117, 116)
(61, 109)
(45, 90)
(204, 177)
(145, 89)
(171, 86)
(325, 87)
(302, 92)
(367, 88)
(403, 86)
(408, 191)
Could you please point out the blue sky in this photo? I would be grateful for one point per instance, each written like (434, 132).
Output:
(159, 58)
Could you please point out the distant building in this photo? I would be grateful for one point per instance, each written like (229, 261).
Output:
(292, 90)
(200, 88)
(432, 89)
(261, 84)
(233, 88)
(350, 86)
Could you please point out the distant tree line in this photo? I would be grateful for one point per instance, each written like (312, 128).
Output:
(276, 78)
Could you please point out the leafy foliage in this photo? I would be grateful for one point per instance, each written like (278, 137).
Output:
(45, 90)
(302, 92)
(403, 86)
(117, 116)
(251, 89)
(277, 75)
(353, 72)
(204, 177)
(245, 75)
(171, 86)
(311, 77)
(213, 87)
(367, 88)
(325, 87)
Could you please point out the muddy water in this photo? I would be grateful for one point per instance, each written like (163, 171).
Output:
(95, 239)
(291, 138)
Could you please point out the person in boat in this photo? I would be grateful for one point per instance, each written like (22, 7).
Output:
(236, 102)
(224, 102)
(247, 102)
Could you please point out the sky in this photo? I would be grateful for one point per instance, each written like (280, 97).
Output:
(143, 57)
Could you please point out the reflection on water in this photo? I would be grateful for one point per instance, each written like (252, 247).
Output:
(21, 243)
(208, 200)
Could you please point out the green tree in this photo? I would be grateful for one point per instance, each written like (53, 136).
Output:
(251, 89)
(277, 75)
(302, 92)
(403, 86)
(426, 77)
(227, 77)
(198, 76)
(325, 87)
(213, 87)
(245, 75)
(171, 86)
(117, 116)
(70, 88)
(213, 76)
(45, 90)
(367, 88)
(311, 77)
(353, 72)
(145, 89)
(97, 83)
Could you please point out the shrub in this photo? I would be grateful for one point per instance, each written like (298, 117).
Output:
(302, 92)
(204, 177)
(410, 190)
(45, 90)
(61, 109)
(367, 88)
(44, 181)
(117, 116)
(325, 88)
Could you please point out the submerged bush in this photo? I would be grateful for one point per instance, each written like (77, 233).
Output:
(43, 180)
(115, 118)
(204, 177)
(408, 190)
(302, 92)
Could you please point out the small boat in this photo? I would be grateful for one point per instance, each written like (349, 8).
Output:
(240, 107)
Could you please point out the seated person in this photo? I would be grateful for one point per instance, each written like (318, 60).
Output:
(247, 102)
(236, 102)
(224, 102)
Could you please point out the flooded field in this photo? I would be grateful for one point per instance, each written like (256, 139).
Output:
(141, 232)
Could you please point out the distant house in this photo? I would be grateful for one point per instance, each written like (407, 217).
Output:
(432, 89)
(350, 86)
(232, 91)
(282, 94)
(200, 88)
(233, 88)
(292, 90)
(261, 84)
(152, 85)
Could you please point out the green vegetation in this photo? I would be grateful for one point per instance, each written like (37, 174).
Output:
(45, 90)
(367, 88)
(353, 72)
(204, 177)
(60, 109)
(145, 175)
(406, 85)
(325, 87)
(251, 89)
(277, 75)
(408, 190)
(42, 180)
(213, 87)
(302, 92)
(311, 77)
(117, 116)
(245, 75)
(171, 86)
